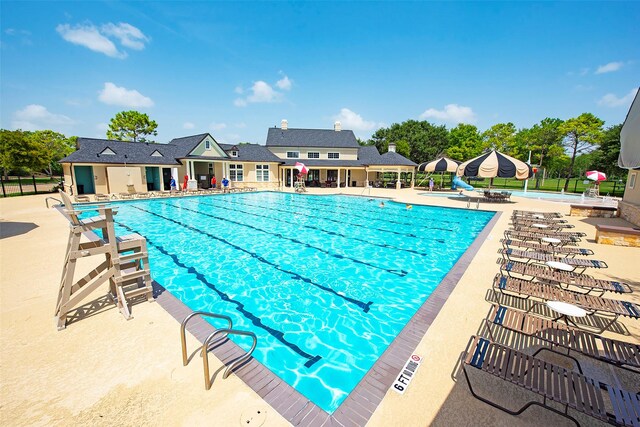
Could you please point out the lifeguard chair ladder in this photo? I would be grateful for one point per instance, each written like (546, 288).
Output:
(125, 266)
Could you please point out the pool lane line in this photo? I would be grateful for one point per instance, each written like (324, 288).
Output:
(322, 230)
(364, 306)
(289, 212)
(374, 211)
(400, 273)
(279, 335)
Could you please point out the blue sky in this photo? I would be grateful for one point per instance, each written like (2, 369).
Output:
(236, 68)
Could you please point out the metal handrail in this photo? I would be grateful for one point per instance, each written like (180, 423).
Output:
(51, 198)
(183, 325)
(227, 372)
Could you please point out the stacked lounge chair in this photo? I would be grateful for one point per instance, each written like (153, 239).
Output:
(526, 276)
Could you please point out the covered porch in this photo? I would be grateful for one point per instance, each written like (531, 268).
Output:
(325, 176)
(374, 174)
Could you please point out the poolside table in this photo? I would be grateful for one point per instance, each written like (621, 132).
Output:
(565, 310)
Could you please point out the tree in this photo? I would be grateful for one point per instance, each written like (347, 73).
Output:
(465, 142)
(54, 147)
(580, 135)
(607, 155)
(425, 140)
(131, 126)
(499, 137)
(18, 151)
(543, 139)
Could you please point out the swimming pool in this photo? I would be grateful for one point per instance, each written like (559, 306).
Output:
(325, 282)
(556, 197)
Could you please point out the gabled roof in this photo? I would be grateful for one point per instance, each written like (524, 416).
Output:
(187, 144)
(320, 138)
(392, 158)
(251, 153)
(90, 149)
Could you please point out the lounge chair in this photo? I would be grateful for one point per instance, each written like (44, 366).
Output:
(534, 236)
(142, 195)
(562, 278)
(550, 224)
(564, 250)
(557, 334)
(535, 214)
(548, 232)
(546, 257)
(554, 383)
(525, 289)
(82, 198)
(101, 197)
(126, 195)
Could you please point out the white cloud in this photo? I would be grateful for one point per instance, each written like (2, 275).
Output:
(261, 92)
(284, 83)
(128, 35)
(611, 100)
(188, 125)
(239, 90)
(240, 102)
(354, 121)
(452, 113)
(609, 68)
(114, 95)
(100, 39)
(241, 125)
(37, 117)
(89, 37)
(217, 126)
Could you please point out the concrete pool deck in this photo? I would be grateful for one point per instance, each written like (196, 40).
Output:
(104, 370)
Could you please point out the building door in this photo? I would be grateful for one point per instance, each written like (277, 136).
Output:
(84, 179)
(166, 178)
(153, 178)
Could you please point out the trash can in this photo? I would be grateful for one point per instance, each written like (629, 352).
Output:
(353, 183)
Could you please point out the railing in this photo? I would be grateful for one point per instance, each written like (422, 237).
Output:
(210, 339)
(51, 198)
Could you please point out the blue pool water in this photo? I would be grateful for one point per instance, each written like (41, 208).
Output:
(325, 282)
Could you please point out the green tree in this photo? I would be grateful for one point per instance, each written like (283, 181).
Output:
(131, 126)
(403, 148)
(425, 140)
(543, 139)
(607, 155)
(580, 134)
(500, 136)
(19, 152)
(465, 142)
(54, 147)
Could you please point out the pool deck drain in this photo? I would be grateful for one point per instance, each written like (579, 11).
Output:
(360, 404)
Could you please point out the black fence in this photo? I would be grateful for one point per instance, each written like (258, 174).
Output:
(23, 186)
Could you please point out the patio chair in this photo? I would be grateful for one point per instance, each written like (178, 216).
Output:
(546, 257)
(562, 278)
(564, 250)
(554, 383)
(557, 334)
(551, 224)
(610, 308)
(547, 215)
(101, 197)
(532, 236)
(547, 232)
(82, 198)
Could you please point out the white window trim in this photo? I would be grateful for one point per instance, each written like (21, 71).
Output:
(234, 154)
(297, 155)
(317, 154)
(233, 171)
(260, 173)
(207, 145)
(333, 158)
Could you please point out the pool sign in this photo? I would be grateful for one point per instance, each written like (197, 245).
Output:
(406, 375)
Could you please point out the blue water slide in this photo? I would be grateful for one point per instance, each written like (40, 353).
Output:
(457, 182)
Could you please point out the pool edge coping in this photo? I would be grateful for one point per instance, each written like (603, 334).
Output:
(366, 396)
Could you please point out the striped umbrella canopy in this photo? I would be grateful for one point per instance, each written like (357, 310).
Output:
(443, 164)
(495, 165)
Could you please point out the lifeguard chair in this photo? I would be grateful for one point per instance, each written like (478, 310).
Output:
(125, 264)
(299, 185)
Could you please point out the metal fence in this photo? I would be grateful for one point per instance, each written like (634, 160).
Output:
(23, 186)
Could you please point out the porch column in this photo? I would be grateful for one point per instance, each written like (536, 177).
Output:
(291, 175)
(413, 178)
(398, 186)
(192, 184)
(338, 177)
(346, 178)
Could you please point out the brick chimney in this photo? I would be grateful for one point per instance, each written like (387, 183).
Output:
(337, 126)
(392, 148)
(284, 125)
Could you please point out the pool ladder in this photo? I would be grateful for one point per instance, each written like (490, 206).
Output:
(210, 339)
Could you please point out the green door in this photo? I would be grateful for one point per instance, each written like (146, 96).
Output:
(84, 179)
(153, 178)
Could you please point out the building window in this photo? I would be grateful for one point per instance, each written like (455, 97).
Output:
(293, 154)
(234, 154)
(632, 181)
(262, 173)
(207, 145)
(333, 155)
(313, 155)
(235, 173)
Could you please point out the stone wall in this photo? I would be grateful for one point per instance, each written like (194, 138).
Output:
(617, 239)
(592, 211)
(630, 212)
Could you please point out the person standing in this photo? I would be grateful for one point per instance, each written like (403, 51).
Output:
(172, 184)
(213, 181)
(430, 184)
(225, 184)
